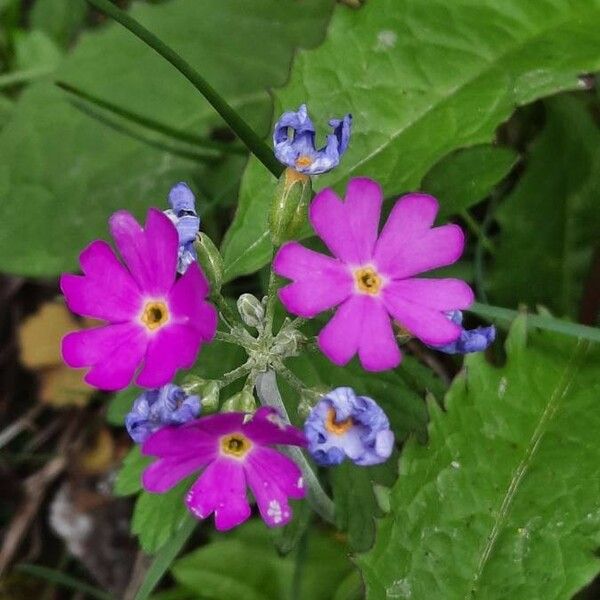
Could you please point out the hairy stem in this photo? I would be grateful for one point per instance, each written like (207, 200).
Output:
(268, 394)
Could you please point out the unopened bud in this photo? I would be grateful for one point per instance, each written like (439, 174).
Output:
(210, 260)
(290, 206)
(241, 402)
(251, 310)
(207, 389)
(287, 343)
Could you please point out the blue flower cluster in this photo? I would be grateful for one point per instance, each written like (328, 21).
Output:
(168, 405)
(344, 425)
(470, 340)
(297, 149)
(183, 215)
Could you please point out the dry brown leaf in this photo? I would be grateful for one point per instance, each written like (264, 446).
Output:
(40, 335)
(62, 386)
(100, 456)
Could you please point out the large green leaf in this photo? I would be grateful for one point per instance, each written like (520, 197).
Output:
(422, 79)
(504, 501)
(69, 171)
(244, 564)
(551, 220)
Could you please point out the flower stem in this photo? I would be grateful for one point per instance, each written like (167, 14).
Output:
(222, 336)
(268, 394)
(295, 382)
(473, 225)
(271, 300)
(231, 319)
(234, 375)
(246, 134)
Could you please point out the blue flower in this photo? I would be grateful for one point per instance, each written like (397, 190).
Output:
(470, 340)
(168, 405)
(298, 150)
(344, 425)
(183, 215)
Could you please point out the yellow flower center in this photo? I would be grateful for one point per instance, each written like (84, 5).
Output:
(155, 314)
(337, 427)
(235, 444)
(367, 280)
(304, 161)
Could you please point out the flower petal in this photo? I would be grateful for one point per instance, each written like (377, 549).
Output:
(150, 253)
(114, 352)
(339, 339)
(187, 305)
(165, 474)
(268, 427)
(407, 244)
(106, 290)
(378, 349)
(277, 468)
(440, 294)
(321, 281)
(349, 227)
(429, 325)
(263, 480)
(221, 489)
(181, 441)
(172, 347)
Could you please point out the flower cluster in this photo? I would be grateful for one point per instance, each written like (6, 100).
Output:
(156, 304)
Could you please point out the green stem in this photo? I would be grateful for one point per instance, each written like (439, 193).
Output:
(271, 301)
(221, 336)
(496, 313)
(295, 382)
(182, 136)
(234, 375)
(473, 225)
(226, 311)
(268, 394)
(246, 134)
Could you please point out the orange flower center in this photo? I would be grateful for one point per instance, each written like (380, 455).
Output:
(155, 314)
(337, 427)
(368, 281)
(235, 444)
(304, 161)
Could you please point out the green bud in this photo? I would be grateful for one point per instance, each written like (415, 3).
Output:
(210, 260)
(287, 342)
(290, 206)
(241, 402)
(210, 397)
(251, 310)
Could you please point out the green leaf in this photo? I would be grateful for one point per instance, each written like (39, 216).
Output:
(129, 479)
(120, 404)
(72, 171)
(550, 222)
(355, 503)
(34, 50)
(244, 564)
(467, 176)
(504, 501)
(156, 517)
(422, 79)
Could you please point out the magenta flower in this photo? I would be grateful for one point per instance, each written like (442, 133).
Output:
(234, 453)
(372, 277)
(153, 318)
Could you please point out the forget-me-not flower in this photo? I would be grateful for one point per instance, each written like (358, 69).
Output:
(294, 142)
(344, 425)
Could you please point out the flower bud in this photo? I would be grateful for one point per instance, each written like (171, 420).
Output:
(251, 310)
(207, 389)
(241, 402)
(287, 343)
(290, 205)
(210, 260)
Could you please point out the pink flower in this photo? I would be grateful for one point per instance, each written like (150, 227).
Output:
(153, 318)
(233, 452)
(372, 277)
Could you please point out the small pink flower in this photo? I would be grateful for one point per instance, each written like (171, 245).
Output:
(153, 318)
(234, 453)
(371, 279)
